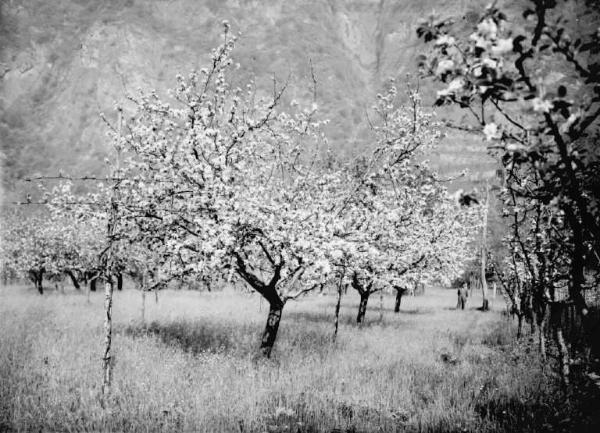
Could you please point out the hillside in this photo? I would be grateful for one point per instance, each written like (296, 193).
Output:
(63, 62)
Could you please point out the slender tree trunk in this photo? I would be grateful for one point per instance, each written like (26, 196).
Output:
(563, 356)
(73, 279)
(143, 290)
(93, 283)
(532, 313)
(520, 325)
(484, 286)
(270, 332)
(143, 305)
(337, 308)
(559, 339)
(542, 339)
(362, 307)
(156, 295)
(40, 281)
(399, 293)
(107, 270)
(107, 357)
(119, 281)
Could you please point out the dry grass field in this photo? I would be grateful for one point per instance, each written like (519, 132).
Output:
(192, 367)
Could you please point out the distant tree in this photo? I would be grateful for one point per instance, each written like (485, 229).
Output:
(37, 244)
(396, 220)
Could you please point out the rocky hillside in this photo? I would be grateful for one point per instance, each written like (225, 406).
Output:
(62, 62)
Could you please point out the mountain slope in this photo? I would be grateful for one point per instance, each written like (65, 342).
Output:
(63, 62)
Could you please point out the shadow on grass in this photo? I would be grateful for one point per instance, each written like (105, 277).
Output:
(415, 311)
(200, 337)
(547, 409)
(348, 316)
(315, 317)
(239, 340)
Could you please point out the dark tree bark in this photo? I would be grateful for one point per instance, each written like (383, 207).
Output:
(37, 277)
(93, 283)
(362, 307)
(364, 293)
(519, 326)
(269, 292)
(337, 308)
(119, 281)
(270, 332)
(40, 286)
(399, 293)
(73, 279)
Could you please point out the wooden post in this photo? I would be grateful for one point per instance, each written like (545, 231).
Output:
(143, 289)
(338, 305)
(107, 358)
(484, 287)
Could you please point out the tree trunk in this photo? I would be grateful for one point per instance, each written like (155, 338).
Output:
(73, 279)
(362, 307)
(107, 357)
(337, 308)
(270, 332)
(563, 356)
(399, 293)
(119, 281)
(143, 305)
(484, 287)
(542, 340)
(559, 339)
(39, 282)
(143, 290)
(519, 326)
(93, 283)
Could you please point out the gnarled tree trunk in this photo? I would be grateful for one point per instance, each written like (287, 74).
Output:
(73, 279)
(39, 279)
(270, 333)
(338, 306)
(269, 292)
(93, 283)
(399, 293)
(362, 307)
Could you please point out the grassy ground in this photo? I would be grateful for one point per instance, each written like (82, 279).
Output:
(192, 366)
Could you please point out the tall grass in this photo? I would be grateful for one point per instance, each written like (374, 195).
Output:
(192, 366)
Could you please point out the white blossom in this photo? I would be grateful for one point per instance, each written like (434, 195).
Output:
(491, 132)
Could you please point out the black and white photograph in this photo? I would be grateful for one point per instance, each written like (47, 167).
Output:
(300, 216)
